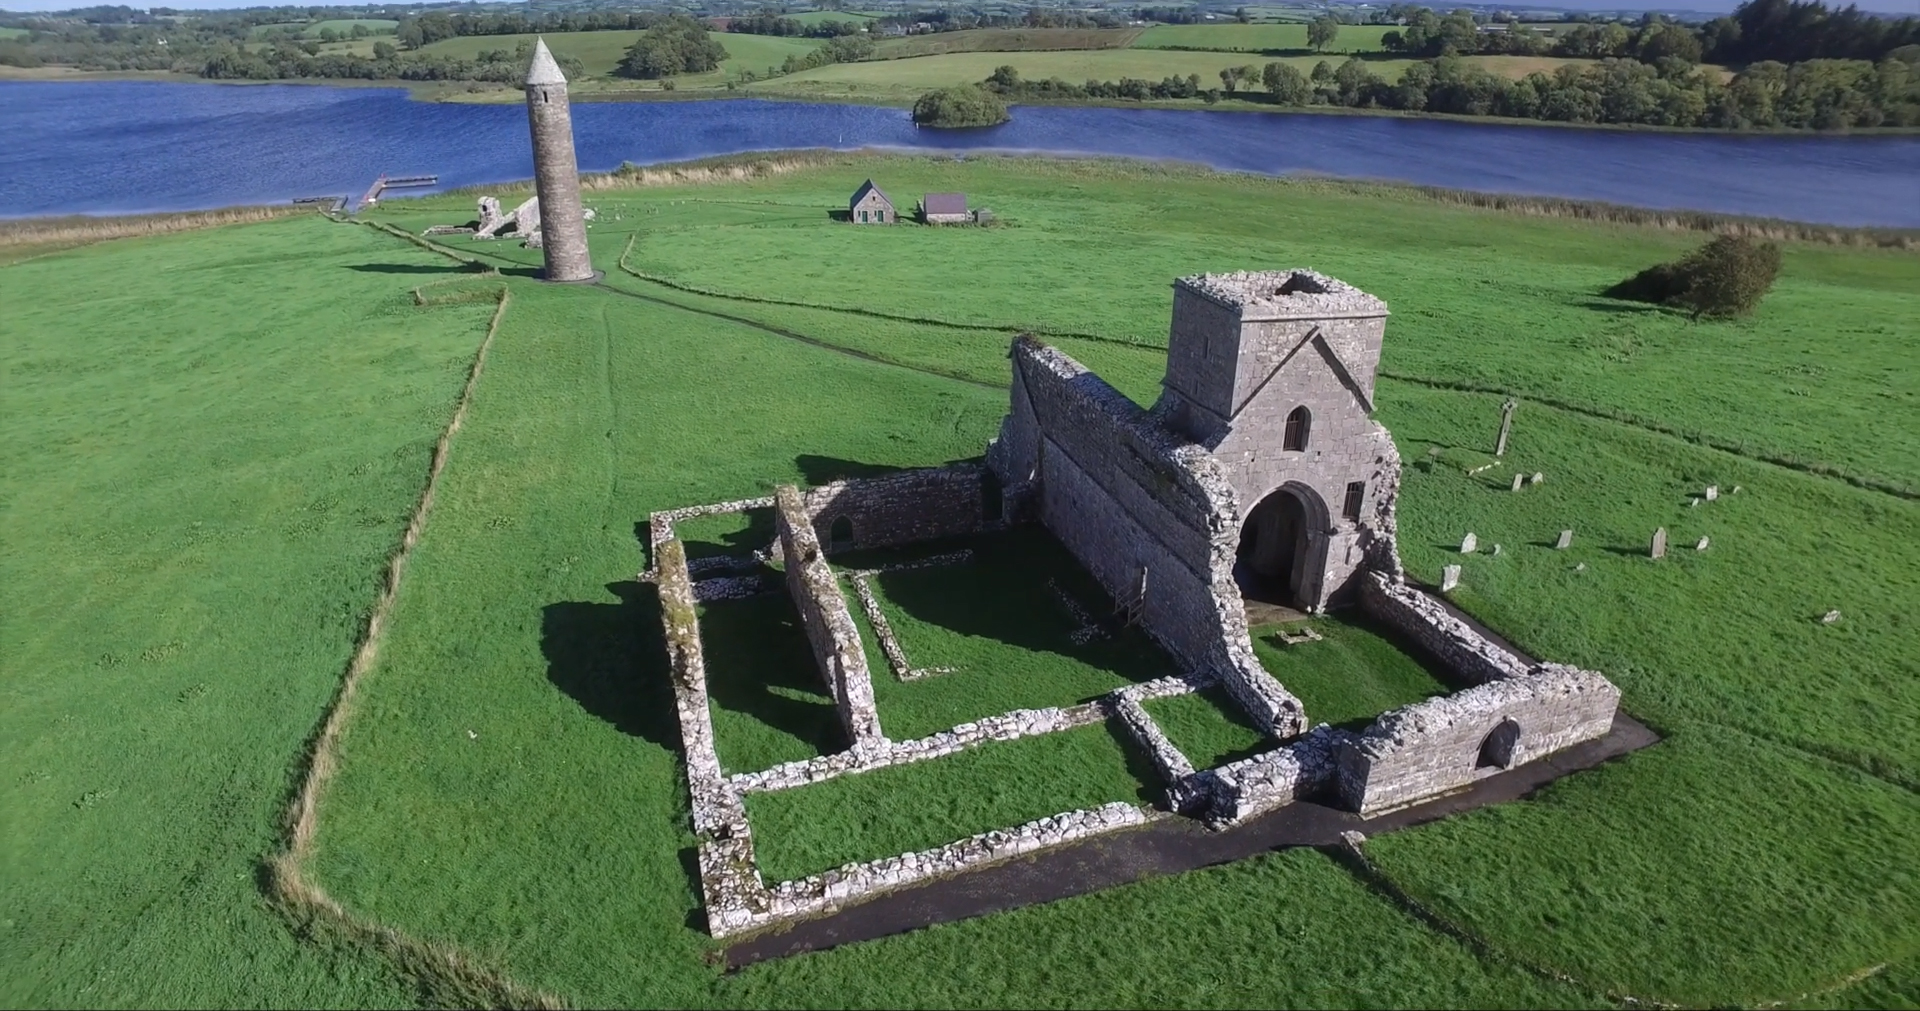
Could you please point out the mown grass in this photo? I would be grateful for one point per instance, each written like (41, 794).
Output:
(1260, 38)
(908, 808)
(511, 782)
(1209, 727)
(1354, 673)
(769, 702)
(201, 493)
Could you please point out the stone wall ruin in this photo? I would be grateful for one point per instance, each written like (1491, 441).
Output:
(1156, 506)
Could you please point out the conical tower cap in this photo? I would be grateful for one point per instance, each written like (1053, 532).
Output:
(544, 70)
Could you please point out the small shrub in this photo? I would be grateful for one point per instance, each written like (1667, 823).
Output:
(1725, 277)
(962, 106)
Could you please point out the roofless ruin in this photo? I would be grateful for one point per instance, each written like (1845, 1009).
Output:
(1258, 479)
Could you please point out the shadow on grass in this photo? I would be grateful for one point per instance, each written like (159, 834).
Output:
(819, 470)
(1139, 764)
(406, 268)
(610, 659)
(1003, 595)
(760, 665)
(1614, 305)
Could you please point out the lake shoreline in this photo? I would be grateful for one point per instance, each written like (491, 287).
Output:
(481, 93)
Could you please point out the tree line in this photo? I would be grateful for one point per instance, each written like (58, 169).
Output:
(1815, 94)
(770, 23)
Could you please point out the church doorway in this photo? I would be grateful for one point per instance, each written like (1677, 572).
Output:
(1277, 561)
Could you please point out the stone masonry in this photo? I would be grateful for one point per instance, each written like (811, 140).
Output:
(1150, 515)
(1263, 430)
(556, 176)
(1443, 744)
(828, 622)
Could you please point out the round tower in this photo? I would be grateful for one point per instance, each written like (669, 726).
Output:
(556, 176)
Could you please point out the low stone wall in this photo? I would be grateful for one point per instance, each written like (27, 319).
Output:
(829, 625)
(716, 806)
(1149, 515)
(1471, 656)
(1443, 744)
(903, 508)
(1006, 726)
(1253, 786)
(825, 892)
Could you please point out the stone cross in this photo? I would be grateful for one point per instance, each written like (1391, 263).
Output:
(1449, 578)
(1506, 427)
(1659, 548)
(1517, 480)
(1469, 543)
(1565, 541)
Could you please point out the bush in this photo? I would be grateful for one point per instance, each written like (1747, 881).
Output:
(1725, 277)
(677, 45)
(962, 106)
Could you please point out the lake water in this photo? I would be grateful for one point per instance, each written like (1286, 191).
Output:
(127, 146)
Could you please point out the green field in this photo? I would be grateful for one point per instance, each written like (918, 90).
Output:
(212, 482)
(1007, 40)
(200, 496)
(1288, 38)
(12, 33)
(601, 52)
(906, 78)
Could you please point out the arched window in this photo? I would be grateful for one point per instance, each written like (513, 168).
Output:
(1496, 752)
(840, 534)
(1298, 423)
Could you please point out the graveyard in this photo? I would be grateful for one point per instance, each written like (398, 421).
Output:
(509, 781)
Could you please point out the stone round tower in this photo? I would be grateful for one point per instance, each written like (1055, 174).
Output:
(556, 176)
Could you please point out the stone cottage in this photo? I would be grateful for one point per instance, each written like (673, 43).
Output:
(944, 209)
(870, 206)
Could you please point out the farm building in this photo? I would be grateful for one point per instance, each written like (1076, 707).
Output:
(944, 209)
(870, 206)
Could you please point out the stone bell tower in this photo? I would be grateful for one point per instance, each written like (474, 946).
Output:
(556, 176)
(1273, 373)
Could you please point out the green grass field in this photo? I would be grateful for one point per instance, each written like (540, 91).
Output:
(1259, 38)
(12, 33)
(510, 781)
(1005, 40)
(200, 495)
(601, 52)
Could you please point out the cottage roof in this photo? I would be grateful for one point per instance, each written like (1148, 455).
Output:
(1284, 294)
(944, 203)
(543, 70)
(866, 188)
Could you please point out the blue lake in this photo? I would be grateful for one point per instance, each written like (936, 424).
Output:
(126, 146)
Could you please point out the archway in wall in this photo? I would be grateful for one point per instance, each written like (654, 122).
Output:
(1277, 559)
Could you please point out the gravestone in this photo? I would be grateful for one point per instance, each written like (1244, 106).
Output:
(1713, 492)
(1518, 479)
(1449, 578)
(1496, 549)
(1702, 546)
(1565, 541)
(1736, 489)
(1506, 426)
(1469, 543)
(1536, 478)
(1830, 617)
(1693, 503)
(1659, 548)
(1582, 567)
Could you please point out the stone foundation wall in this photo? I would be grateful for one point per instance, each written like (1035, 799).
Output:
(1254, 786)
(1471, 656)
(914, 505)
(829, 625)
(1441, 745)
(1148, 514)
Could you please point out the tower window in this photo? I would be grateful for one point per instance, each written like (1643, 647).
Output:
(1298, 423)
(1356, 497)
